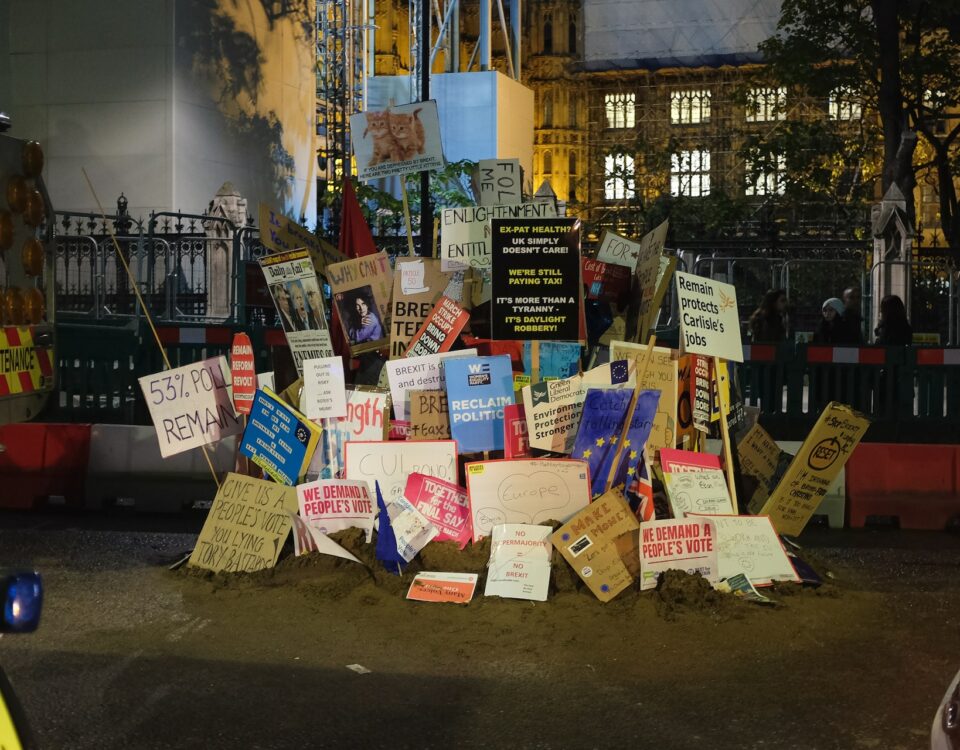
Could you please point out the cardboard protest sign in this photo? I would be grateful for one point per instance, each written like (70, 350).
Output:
(465, 232)
(478, 389)
(702, 392)
(525, 491)
(598, 436)
(555, 359)
(308, 538)
(606, 282)
(293, 285)
(698, 492)
(661, 375)
(618, 250)
(418, 374)
(191, 406)
(649, 308)
(397, 140)
(246, 526)
(688, 545)
(709, 320)
(280, 234)
(242, 373)
(444, 504)
(456, 588)
(361, 292)
(762, 464)
(553, 408)
(519, 567)
(678, 461)
(686, 432)
(498, 182)
(279, 439)
(440, 330)
(324, 393)
(429, 416)
(588, 541)
(516, 442)
(391, 463)
(815, 467)
(648, 268)
(412, 529)
(417, 283)
(367, 418)
(750, 545)
(335, 504)
(535, 279)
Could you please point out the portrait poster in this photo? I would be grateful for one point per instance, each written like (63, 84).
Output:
(361, 292)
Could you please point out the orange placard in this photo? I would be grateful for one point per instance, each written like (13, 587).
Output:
(457, 588)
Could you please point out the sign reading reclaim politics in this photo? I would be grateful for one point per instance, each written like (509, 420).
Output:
(709, 320)
(535, 280)
(478, 390)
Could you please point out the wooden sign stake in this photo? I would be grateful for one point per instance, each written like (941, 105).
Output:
(641, 373)
(406, 216)
(534, 361)
(725, 434)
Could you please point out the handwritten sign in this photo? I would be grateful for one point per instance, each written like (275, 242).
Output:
(242, 373)
(397, 140)
(535, 281)
(618, 250)
(750, 545)
(279, 439)
(588, 541)
(362, 288)
(440, 330)
(688, 545)
(525, 491)
(445, 504)
(336, 504)
(648, 268)
(465, 232)
(368, 414)
(280, 234)
(709, 320)
(324, 391)
(429, 416)
(191, 406)
(418, 374)
(392, 463)
(455, 588)
(698, 492)
(519, 566)
(417, 282)
(498, 182)
(760, 464)
(661, 374)
(246, 526)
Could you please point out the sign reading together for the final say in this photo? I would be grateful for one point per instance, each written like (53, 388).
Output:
(535, 284)
(709, 321)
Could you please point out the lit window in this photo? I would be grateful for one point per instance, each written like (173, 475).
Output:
(770, 182)
(621, 110)
(547, 162)
(844, 104)
(690, 173)
(689, 107)
(618, 172)
(766, 104)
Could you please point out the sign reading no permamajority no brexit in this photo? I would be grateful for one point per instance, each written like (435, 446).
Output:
(709, 321)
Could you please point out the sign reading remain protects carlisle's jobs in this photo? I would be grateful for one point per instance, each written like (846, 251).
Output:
(709, 322)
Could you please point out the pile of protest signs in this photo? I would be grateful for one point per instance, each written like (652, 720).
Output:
(488, 424)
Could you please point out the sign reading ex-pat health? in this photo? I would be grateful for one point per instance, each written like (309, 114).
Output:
(535, 280)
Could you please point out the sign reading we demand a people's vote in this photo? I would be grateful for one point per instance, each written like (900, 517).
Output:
(709, 320)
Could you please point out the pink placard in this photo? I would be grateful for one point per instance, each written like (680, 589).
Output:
(516, 443)
(444, 504)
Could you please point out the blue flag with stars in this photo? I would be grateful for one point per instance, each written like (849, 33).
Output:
(386, 550)
(604, 412)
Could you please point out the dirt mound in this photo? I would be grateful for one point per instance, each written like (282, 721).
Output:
(679, 592)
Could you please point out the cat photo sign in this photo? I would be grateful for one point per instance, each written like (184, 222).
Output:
(397, 140)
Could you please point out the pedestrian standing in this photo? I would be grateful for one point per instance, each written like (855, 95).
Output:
(830, 330)
(894, 328)
(767, 324)
(851, 320)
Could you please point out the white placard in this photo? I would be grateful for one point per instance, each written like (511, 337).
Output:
(750, 544)
(698, 492)
(417, 374)
(525, 491)
(412, 529)
(390, 463)
(709, 319)
(688, 545)
(191, 405)
(308, 538)
(618, 250)
(335, 504)
(519, 562)
(324, 393)
(368, 414)
(498, 182)
(465, 232)
(397, 140)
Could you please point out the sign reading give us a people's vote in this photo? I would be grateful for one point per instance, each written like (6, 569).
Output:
(709, 320)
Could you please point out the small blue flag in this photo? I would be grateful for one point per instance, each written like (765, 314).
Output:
(386, 551)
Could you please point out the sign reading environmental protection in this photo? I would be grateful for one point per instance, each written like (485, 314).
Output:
(709, 320)
(242, 372)
(478, 390)
(397, 140)
(191, 406)
(535, 280)
(465, 232)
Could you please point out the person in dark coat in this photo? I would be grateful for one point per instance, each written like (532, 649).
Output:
(851, 322)
(894, 328)
(830, 330)
(767, 324)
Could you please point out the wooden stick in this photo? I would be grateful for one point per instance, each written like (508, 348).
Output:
(143, 306)
(725, 434)
(641, 373)
(534, 361)
(406, 216)
(435, 248)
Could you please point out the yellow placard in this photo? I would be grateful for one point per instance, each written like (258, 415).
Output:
(24, 368)
(9, 739)
(280, 234)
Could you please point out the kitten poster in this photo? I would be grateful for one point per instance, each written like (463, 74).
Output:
(397, 140)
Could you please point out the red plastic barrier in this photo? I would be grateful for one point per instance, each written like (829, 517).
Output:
(918, 484)
(41, 460)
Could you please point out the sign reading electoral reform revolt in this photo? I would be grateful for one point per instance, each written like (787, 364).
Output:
(709, 322)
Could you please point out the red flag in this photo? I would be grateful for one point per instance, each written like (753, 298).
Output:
(355, 237)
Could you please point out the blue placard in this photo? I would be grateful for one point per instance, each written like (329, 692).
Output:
(278, 439)
(477, 390)
(558, 359)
